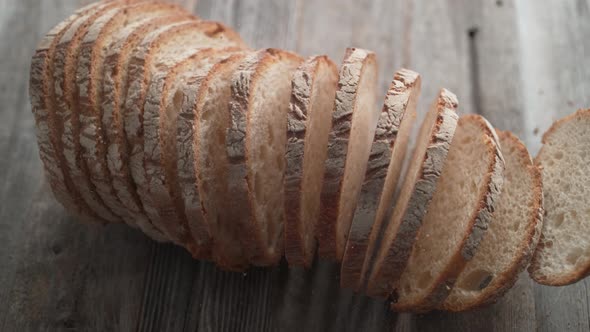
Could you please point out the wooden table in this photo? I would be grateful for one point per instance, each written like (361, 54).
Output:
(521, 64)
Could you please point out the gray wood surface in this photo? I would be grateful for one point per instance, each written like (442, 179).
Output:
(522, 64)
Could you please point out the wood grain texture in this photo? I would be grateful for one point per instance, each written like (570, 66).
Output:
(522, 64)
(555, 85)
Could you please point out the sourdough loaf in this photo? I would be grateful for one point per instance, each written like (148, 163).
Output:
(388, 260)
(385, 164)
(354, 121)
(458, 216)
(563, 254)
(308, 125)
(511, 238)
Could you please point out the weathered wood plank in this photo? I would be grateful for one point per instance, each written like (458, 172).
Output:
(556, 81)
(19, 166)
(56, 273)
(525, 66)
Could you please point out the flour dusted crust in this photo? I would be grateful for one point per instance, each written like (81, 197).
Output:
(254, 236)
(478, 224)
(105, 32)
(175, 192)
(523, 252)
(183, 145)
(211, 112)
(356, 63)
(299, 233)
(41, 88)
(546, 250)
(387, 155)
(114, 90)
(67, 123)
(138, 81)
(393, 254)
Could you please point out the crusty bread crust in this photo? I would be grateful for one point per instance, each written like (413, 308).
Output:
(387, 155)
(253, 235)
(86, 107)
(40, 90)
(137, 85)
(504, 280)
(184, 147)
(384, 272)
(300, 242)
(355, 64)
(478, 224)
(114, 90)
(175, 192)
(102, 34)
(535, 268)
(67, 120)
(227, 251)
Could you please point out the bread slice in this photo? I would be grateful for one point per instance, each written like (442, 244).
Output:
(354, 120)
(114, 89)
(511, 238)
(388, 260)
(160, 50)
(211, 112)
(201, 197)
(87, 102)
(41, 95)
(64, 72)
(563, 254)
(170, 173)
(385, 164)
(457, 218)
(256, 144)
(308, 125)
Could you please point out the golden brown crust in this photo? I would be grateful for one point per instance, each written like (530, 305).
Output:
(534, 268)
(41, 87)
(300, 242)
(253, 235)
(226, 250)
(387, 155)
(355, 65)
(65, 102)
(523, 253)
(390, 259)
(476, 228)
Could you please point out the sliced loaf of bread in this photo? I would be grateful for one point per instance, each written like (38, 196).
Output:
(510, 240)
(170, 173)
(308, 125)
(114, 89)
(354, 121)
(385, 164)
(388, 260)
(256, 144)
(41, 95)
(563, 254)
(458, 216)
(88, 99)
(158, 51)
(64, 103)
